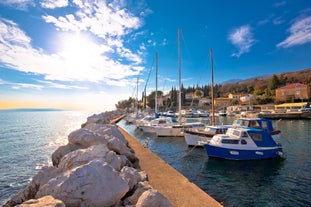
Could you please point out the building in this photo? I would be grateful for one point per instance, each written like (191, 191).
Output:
(292, 92)
(235, 96)
(247, 98)
(222, 102)
(289, 107)
(204, 102)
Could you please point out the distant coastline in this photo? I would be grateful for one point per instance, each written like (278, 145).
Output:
(33, 109)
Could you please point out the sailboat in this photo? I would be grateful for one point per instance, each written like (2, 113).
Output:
(200, 136)
(155, 121)
(177, 129)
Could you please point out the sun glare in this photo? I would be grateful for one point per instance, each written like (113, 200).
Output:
(81, 56)
(77, 47)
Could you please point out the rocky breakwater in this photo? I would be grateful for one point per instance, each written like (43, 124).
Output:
(95, 168)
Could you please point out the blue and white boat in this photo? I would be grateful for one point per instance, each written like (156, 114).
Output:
(243, 143)
(260, 123)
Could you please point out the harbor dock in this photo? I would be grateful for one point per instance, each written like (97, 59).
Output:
(168, 181)
(288, 115)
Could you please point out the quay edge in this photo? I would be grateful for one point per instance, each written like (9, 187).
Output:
(173, 185)
(290, 115)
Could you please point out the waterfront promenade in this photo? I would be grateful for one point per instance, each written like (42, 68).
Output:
(173, 185)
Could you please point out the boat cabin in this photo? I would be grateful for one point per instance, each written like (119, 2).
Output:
(245, 136)
(259, 123)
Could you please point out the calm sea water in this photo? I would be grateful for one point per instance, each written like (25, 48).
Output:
(264, 183)
(27, 141)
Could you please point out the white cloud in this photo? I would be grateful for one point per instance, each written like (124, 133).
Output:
(51, 84)
(300, 33)
(52, 4)
(242, 39)
(19, 4)
(100, 18)
(18, 86)
(80, 58)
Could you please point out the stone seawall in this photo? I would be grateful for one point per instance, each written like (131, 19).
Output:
(95, 168)
(102, 165)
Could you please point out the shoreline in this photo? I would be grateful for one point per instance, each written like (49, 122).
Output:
(102, 155)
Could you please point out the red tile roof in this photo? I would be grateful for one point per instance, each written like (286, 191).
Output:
(293, 85)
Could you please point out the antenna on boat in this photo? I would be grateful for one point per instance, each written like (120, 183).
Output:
(212, 88)
(156, 92)
(179, 70)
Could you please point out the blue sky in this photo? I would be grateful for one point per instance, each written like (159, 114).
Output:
(87, 54)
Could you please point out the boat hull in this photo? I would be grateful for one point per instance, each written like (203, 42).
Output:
(148, 129)
(196, 140)
(169, 132)
(239, 154)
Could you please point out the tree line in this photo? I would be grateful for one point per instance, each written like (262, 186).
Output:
(262, 88)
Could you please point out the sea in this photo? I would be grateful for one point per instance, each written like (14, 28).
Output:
(260, 183)
(29, 137)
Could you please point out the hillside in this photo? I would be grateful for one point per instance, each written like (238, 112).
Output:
(261, 83)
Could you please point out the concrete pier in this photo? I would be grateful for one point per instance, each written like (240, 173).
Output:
(168, 181)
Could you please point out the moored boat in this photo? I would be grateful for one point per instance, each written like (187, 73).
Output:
(200, 136)
(262, 123)
(176, 130)
(243, 144)
(158, 122)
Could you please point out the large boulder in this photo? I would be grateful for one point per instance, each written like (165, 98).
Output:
(85, 138)
(120, 147)
(152, 198)
(140, 188)
(47, 201)
(61, 151)
(104, 129)
(41, 178)
(93, 184)
(131, 175)
(96, 152)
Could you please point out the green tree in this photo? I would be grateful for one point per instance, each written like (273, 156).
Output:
(274, 82)
(174, 97)
(199, 93)
(126, 104)
(151, 98)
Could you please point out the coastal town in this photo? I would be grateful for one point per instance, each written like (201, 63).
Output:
(273, 97)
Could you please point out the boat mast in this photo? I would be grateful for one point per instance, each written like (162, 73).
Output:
(212, 88)
(137, 97)
(156, 92)
(179, 71)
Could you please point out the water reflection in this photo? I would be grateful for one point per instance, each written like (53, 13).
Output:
(269, 182)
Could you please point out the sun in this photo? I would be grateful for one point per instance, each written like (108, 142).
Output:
(77, 47)
(81, 56)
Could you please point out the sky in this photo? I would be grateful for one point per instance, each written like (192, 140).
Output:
(90, 54)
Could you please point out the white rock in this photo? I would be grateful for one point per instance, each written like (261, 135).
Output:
(85, 138)
(140, 188)
(131, 175)
(93, 184)
(96, 152)
(152, 198)
(104, 129)
(120, 147)
(62, 151)
(47, 201)
(40, 179)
